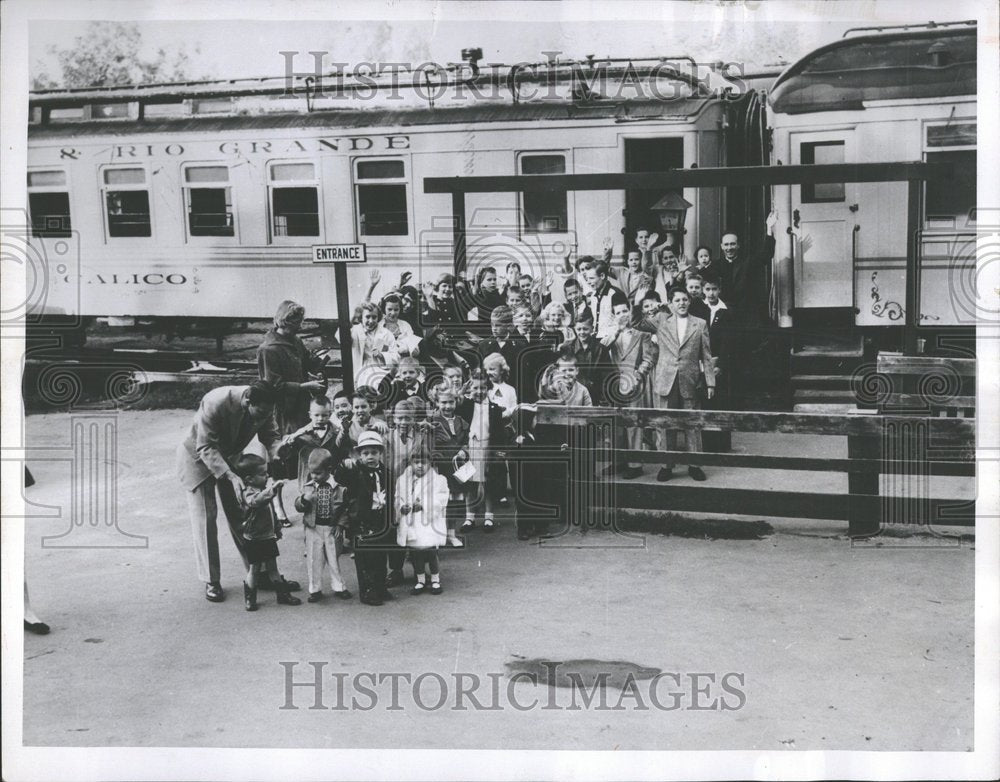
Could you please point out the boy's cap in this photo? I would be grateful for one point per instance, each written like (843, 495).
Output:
(370, 437)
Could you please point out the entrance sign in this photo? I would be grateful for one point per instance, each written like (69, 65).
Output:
(339, 253)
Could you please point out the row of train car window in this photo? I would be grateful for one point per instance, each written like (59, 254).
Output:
(293, 199)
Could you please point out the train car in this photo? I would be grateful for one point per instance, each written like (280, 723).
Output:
(204, 200)
(878, 95)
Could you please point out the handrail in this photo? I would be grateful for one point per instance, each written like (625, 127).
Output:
(942, 430)
(924, 26)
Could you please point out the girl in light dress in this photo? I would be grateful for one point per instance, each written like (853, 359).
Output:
(500, 391)
(421, 503)
(373, 347)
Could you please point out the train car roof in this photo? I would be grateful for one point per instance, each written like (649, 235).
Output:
(914, 64)
(621, 111)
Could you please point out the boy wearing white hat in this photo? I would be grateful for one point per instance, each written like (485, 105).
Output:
(366, 479)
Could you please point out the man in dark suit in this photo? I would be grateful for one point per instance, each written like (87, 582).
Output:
(741, 276)
(742, 279)
(227, 420)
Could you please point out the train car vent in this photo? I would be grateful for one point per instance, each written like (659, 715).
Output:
(940, 54)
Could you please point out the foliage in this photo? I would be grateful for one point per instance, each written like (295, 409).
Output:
(109, 54)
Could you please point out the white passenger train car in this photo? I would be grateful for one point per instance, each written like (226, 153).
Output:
(204, 200)
(878, 96)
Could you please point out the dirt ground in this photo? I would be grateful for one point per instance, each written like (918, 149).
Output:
(799, 640)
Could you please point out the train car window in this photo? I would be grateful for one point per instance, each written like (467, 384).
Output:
(72, 114)
(126, 199)
(822, 153)
(381, 197)
(951, 203)
(543, 212)
(212, 106)
(109, 111)
(294, 200)
(48, 203)
(154, 110)
(962, 134)
(209, 201)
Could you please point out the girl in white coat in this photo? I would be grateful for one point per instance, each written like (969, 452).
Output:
(373, 347)
(421, 501)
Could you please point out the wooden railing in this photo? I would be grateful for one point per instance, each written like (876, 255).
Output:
(877, 445)
(925, 385)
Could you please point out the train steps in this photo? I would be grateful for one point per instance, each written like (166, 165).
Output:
(821, 377)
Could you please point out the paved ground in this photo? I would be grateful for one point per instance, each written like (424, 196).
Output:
(837, 647)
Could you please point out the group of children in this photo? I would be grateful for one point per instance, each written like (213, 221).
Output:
(426, 447)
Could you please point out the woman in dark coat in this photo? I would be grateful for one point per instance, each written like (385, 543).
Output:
(284, 361)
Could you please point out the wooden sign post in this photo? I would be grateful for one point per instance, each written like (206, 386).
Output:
(337, 255)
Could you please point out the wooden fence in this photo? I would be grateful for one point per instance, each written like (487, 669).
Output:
(910, 447)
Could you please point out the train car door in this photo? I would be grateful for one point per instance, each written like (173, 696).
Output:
(646, 155)
(825, 215)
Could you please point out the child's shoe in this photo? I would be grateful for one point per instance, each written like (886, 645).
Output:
(249, 597)
(315, 597)
(435, 586)
(285, 597)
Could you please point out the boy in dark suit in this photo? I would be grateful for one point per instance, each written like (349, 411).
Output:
(406, 385)
(698, 308)
(592, 354)
(450, 439)
(366, 480)
(504, 340)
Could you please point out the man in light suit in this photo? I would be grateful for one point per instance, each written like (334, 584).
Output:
(633, 355)
(685, 351)
(227, 420)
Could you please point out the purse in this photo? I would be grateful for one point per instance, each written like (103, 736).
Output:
(464, 473)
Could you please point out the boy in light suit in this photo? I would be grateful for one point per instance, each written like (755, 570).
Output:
(633, 355)
(684, 350)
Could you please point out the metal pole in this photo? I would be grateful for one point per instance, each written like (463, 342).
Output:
(914, 187)
(344, 326)
(458, 231)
